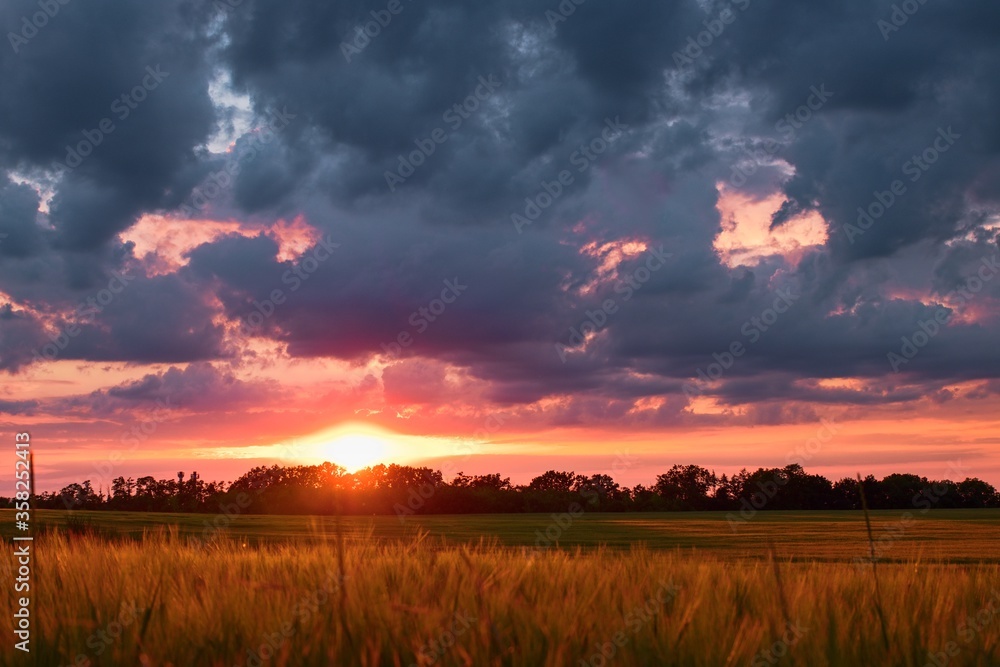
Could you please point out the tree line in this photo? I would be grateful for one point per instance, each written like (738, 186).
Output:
(406, 490)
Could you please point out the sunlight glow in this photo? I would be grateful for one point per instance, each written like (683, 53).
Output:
(352, 445)
(355, 451)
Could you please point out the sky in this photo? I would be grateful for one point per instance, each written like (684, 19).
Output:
(506, 236)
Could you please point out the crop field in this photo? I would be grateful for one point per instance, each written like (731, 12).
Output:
(782, 588)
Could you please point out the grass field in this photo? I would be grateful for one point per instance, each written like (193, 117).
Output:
(955, 536)
(634, 589)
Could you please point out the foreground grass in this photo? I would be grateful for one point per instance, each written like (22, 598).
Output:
(160, 601)
(780, 589)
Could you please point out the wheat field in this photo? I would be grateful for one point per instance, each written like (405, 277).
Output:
(161, 600)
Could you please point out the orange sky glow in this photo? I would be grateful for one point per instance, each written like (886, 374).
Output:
(276, 408)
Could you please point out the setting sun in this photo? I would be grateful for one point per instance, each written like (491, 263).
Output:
(355, 451)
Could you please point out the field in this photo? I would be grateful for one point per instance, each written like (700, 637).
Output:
(632, 589)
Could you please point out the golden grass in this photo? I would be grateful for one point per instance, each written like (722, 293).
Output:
(185, 606)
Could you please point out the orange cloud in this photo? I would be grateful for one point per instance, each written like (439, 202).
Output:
(747, 237)
(163, 241)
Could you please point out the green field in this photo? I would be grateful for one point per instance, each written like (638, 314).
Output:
(956, 536)
(620, 589)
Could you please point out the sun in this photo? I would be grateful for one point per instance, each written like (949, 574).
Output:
(351, 445)
(354, 451)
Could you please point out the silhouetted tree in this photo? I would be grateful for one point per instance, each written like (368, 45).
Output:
(686, 487)
(388, 489)
(554, 481)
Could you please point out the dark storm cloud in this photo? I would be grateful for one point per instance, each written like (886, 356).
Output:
(914, 105)
(20, 234)
(123, 316)
(493, 290)
(193, 387)
(198, 388)
(891, 96)
(117, 94)
(153, 319)
(20, 333)
(273, 172)
(549, 91)
(785, 387)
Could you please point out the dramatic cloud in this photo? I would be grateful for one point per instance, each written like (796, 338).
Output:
(639, 214)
